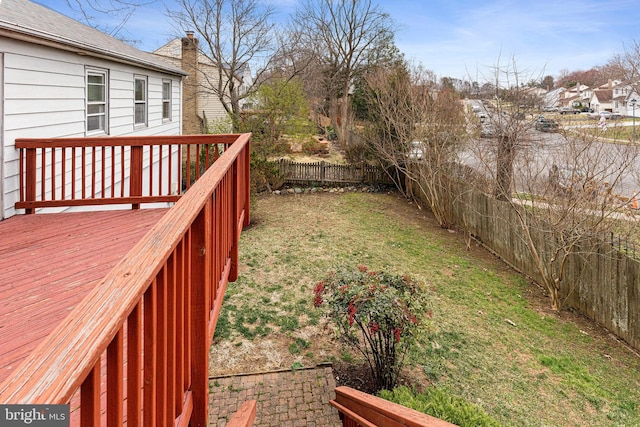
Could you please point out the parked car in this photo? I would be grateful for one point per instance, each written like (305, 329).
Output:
(606, 114)
(550, 109)
(417, 150)
(569, 110)
(546, 125)
(488, 130)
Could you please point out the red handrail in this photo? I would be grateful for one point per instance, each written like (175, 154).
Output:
(361, 409)
(149, 323)
(245, 416)
(61, 172)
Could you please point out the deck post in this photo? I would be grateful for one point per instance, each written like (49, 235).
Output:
(201, 256)
(246, 184)
(235, 212)
(135, 169)
(30, 187)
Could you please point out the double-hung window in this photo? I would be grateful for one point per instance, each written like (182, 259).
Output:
(166, 100)
(140, 101)
(97, 101)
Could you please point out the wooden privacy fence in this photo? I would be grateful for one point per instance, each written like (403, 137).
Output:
(147, 327)
(322, 173)
(600, 280)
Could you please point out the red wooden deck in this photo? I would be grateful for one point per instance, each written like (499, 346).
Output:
(48, 264)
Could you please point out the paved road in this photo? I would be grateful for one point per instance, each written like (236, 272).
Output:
(541, 150)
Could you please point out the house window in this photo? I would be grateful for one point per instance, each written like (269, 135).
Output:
(97, 108)
(140, 101)
(166, 100)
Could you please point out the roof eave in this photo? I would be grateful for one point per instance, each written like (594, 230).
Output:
(51, 40)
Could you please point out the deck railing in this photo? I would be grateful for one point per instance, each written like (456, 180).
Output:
(115, 170)
(361, 409)
(136, 349)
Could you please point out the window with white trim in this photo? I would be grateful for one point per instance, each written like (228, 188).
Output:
(140, 101)
(97, 101)
(166, 100)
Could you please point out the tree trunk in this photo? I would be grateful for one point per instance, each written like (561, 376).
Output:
(504, 168)
(343, 113)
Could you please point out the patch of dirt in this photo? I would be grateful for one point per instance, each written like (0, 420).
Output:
(335, 154)
(354, 376)
(358, 375)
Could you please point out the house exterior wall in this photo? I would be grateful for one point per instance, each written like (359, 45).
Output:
(632, 109)
(199, 101)
(45, 97)
(209, 106)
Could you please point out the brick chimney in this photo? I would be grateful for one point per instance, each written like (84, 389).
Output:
(191, 122)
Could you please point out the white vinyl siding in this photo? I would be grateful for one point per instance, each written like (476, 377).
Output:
(140, 111)
(1, 137)
(45, 97)
(208, 102)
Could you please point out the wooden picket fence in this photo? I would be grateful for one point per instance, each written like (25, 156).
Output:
(323, 173)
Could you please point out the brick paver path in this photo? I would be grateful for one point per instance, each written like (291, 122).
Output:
(284, 398)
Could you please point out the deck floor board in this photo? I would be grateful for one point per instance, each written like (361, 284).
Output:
(49, 262)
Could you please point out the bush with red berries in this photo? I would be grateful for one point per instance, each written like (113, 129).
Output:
(377, 313)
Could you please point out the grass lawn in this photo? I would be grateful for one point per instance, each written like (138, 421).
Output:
(494, 341)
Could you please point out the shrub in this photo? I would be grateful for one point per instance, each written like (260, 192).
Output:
(265, 175)
(356, 153)
(313, 147)
(377, 313)
(331, 134)
(440, 403)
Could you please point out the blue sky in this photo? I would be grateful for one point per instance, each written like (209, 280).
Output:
(464, 39)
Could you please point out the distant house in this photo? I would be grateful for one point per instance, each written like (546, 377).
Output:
(602, 100)
(623, 94)
(552, 97)
(631, 103)
(577, 96)
(570, 101)
(200, 102)
(61, 78)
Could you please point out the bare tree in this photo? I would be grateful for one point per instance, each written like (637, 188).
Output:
(235, 36)
(416, 130)
(345, 35)
(565, 191)
(93, 13)
(510, 116)
(626, 65)
(297, 59)
(565, 209)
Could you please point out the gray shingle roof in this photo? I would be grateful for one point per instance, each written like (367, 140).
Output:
(23, 19)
